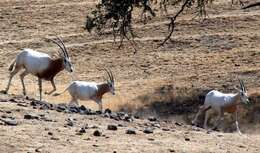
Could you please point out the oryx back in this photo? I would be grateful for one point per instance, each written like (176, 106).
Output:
(216, 98)
(34, 62)
(82, 90)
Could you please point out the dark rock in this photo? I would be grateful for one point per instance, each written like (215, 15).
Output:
(156, 125)
(22, 105)
(97, 133)
(136, 117)
(70, 123)
(151, 139)
(148, 130)
(112, 127)
(130, 131)
(30, 117)
(38, 149)
(108, 111)
(3, 92)
(61, 107)
(187, 139)
(50, 133)
(165, 129)
(8, 121)
(177, 123)
(98, 112)
(73, 109)
(54, 138)
(82, 130)
(171, 150)
(152, 118)
(120, 125)
(12, 100)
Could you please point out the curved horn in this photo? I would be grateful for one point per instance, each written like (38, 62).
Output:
(55, 42)
(244, 88)
(108, 73)
(65, 49)
(112, 76)
(241, 85)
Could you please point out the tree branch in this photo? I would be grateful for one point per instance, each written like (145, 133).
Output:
(171, 25)
(251, 5)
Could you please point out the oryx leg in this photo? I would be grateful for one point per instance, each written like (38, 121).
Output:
(16, 69)
(40, 87)
(220, 118)
(205, 126)
(201, 110)
(22, 75)
(74, 100)
(53, 86)
(238, 130)
(99, 102)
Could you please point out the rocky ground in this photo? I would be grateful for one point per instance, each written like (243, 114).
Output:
(159, 88)
(28, 125)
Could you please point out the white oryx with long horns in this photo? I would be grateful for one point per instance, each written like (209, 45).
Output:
(221, 102)
(90, 90)
(41, 65)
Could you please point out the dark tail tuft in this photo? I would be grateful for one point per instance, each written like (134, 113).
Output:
(11, 66)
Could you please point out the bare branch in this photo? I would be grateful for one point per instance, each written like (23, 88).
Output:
(172, 24)
(251, 5)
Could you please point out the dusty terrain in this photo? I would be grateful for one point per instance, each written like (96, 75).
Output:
(201, 56)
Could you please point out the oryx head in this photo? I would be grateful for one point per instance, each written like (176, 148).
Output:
(243, 93)
(111, 81)
(63, 54)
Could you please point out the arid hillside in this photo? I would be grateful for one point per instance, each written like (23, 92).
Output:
(167, 82)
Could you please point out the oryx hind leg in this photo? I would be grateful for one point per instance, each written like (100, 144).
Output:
(12, 74)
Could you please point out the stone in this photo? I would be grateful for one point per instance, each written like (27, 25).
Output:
(148, 130)
(130, 131)
(112, 127)
(8, 121)
(50, 133)
(187, 139)
(152, 118)
(108, 111)
(97, 133)
(30, 117)
(82, 130)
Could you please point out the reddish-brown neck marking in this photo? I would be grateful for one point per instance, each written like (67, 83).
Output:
(233, 106)
(54, 68)
(102, 89)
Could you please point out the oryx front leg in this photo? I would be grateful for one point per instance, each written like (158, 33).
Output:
(201, 110)
(40, 87)
(99, 102)
(238, 130)
(53, 86)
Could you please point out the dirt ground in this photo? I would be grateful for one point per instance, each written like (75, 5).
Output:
(202, 55)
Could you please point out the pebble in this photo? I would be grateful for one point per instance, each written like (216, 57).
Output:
(97, 133)
(152, 118)
(130, 131)
(112, 127)
(11, 122)
(148, 130)
(30, 117)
